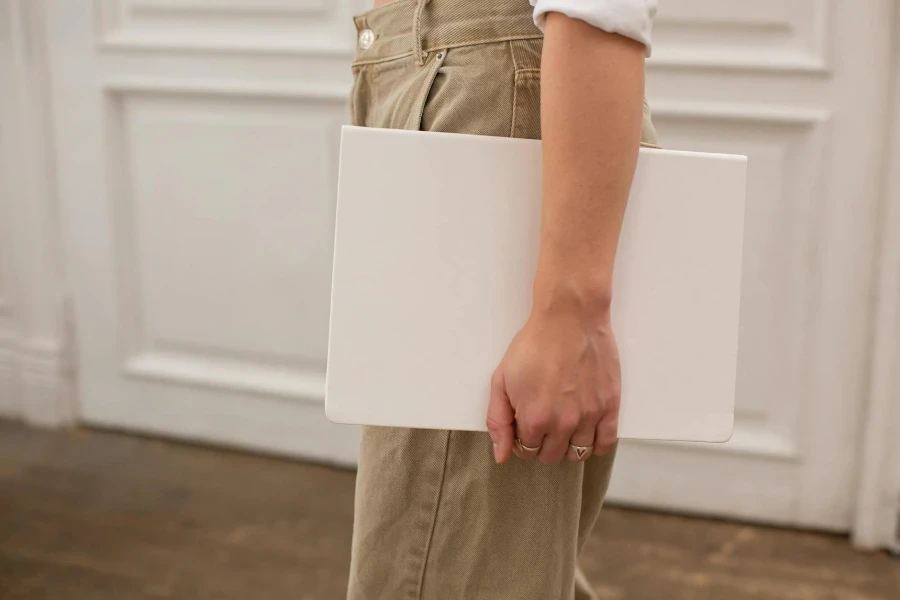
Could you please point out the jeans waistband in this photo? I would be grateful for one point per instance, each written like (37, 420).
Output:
(417, 27)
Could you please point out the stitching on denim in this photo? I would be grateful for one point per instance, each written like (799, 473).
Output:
(515, 105)
(512, 54)
(353, 89)
(528, 36)
(522, 48)
(375, 61)
(528, 74)
(387, 66)
(392, 4)
(430, 49)
(422, 100)
(437, 508)
(515, 98)
(417, 32)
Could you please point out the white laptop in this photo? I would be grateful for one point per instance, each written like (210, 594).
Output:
(435, 251)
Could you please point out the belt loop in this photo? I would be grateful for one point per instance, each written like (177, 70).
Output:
(417, 32)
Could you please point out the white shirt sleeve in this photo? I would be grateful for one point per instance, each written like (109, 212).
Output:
(630, 18)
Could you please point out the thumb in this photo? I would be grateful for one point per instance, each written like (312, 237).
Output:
(500, 419)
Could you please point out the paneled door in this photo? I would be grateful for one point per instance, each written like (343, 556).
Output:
(197, 156)
(196, 144)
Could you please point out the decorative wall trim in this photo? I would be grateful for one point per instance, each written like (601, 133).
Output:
(733, 61)
(748, 113)
(116, 34)
(295, 429)
(229, 88)
(752, 437)
(218, 7)
(229, 375)
(179, 364)
(813, 57)
(746, 441)
(134, 41)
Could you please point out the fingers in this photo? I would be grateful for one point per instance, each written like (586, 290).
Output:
(582, 442)
(550, 435)
(607, 434)
(527, 449)
(556, 442)
(500, 419)
(531, 426)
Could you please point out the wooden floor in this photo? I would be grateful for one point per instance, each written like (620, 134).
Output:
(88, 515)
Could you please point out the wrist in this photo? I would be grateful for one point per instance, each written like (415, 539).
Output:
(586, 298)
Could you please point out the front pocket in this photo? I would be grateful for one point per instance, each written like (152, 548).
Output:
(359, 97)
(422, 100)
(526, 112)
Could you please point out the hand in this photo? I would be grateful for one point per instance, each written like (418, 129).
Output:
(559, 383)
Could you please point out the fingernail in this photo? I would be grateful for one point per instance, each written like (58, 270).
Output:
(496, 454)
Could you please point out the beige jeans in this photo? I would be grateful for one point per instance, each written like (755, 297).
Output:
(436, 518)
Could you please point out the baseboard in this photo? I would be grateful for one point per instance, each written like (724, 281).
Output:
(45, 385)
(10, 396)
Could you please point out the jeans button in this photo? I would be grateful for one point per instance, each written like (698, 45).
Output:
(366, 39)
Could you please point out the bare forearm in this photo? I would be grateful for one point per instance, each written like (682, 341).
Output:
(592, 93)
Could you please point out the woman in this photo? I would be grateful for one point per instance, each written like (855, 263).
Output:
(447, 515)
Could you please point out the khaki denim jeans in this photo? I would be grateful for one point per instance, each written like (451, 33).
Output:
(436, 518)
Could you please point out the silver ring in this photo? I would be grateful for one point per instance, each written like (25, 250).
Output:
(581, 452)
(525, 448)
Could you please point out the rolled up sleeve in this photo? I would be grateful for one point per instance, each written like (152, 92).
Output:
(630, 18)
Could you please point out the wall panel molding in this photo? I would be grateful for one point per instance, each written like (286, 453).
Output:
(217, 373)
(153, 355)
(329, 92)
(765, 35)
(227, 45)
(737, 112)
(289, 27)
(238, 8)
(785, 144)
(747, 441)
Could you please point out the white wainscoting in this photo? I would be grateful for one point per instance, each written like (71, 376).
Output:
(767, 35)
(201, 165)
